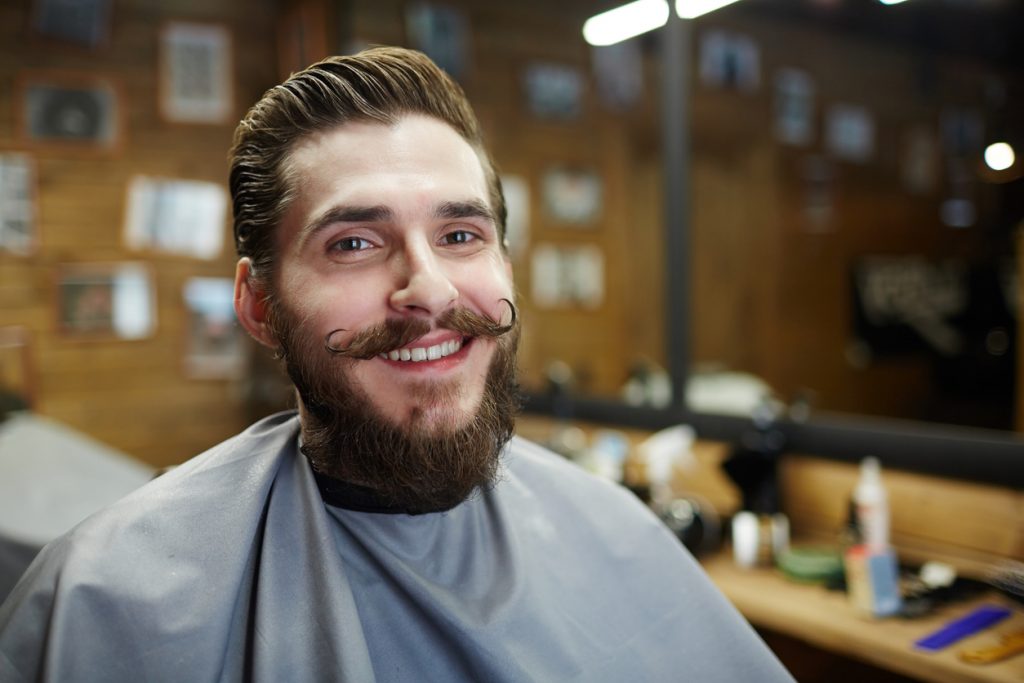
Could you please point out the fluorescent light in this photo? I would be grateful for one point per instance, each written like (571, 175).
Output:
(625, 21)
(999, 156)
(891, 2)
(691, 9)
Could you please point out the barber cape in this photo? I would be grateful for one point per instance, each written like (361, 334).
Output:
(233, 567)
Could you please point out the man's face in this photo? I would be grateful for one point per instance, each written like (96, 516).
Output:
(393, 223)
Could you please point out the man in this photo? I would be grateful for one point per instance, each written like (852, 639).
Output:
(390, 531)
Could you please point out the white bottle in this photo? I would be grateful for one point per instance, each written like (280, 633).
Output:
(872, 505)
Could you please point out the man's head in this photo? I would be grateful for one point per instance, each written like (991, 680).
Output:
(370, 224)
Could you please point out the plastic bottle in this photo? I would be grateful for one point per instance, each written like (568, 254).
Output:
(872, 505)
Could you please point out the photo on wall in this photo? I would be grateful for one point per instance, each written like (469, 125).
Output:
(69, 110)
(216, 347)
(85, 22)
(554, 91)
(106, 300)
(195, 73)
(442, 33)
(17, 203)
(573, 196)
(186, 217)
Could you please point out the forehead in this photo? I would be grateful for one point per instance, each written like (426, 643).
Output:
(414, 149)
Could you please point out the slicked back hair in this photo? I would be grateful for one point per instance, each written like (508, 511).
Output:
(377, 85)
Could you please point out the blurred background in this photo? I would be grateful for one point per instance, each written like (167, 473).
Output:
(851, 246)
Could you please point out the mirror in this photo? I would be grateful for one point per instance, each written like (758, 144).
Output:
(847, 246)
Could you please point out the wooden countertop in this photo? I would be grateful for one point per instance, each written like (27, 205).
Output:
(826, 619)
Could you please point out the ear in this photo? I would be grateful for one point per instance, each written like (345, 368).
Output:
(251, 305)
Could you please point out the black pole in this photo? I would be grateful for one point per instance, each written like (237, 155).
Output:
(675, 133)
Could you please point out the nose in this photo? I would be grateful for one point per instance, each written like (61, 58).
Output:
(424, 286)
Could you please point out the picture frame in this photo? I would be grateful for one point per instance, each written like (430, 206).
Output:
(195, 73)
(17, 386)
(441, 32)
(69, 110)
(185, 217)
(17, 203)
(554, 91)
(215, 347)
(573, 196)
(106, 301)
(84, 22)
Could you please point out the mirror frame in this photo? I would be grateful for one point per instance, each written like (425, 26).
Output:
(981, 455)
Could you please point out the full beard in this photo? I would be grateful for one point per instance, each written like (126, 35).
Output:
(414, 467)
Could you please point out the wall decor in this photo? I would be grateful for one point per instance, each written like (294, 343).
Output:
(106, 300)
(69, 110)
(730, 60)
(573, 196)
(185, 217)
(442, 33)
(86, 22)
(516, 189)
(17, 203)
(567, 276)
(618, 74)
(554, 91)
(195, 73)
(216, 346)
(919, 161)
(794, 107)
(850, 132)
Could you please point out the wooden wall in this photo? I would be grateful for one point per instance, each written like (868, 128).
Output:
(133, 395)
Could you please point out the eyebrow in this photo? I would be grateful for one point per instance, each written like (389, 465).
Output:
(472, 208)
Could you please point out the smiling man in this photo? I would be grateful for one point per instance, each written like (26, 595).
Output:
(390, 529)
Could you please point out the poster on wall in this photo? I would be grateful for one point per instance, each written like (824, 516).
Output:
(564, 276)
(619, 74)
(195, 73)
(215, 347)
(794, 107)
(85, 22)
(16, 386)
(850, 132)
(106, 300)
(441, 32)
(730, 61)
(919, 161)
(554, 91)
(17, 203)
(573, 196)
(517, 224)
(184, 217)
(69, 110)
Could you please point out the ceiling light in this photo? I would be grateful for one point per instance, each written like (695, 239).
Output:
(691, 9)
(999, 156)
(625, 22)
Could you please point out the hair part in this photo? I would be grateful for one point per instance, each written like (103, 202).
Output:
(377, 85)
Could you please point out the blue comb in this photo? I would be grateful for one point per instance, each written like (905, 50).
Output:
(978, 620)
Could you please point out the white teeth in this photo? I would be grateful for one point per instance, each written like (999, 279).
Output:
(416, 355)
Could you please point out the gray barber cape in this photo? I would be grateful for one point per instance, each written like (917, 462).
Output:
(232, 567)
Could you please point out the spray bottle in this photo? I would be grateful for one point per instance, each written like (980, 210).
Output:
(872, 572)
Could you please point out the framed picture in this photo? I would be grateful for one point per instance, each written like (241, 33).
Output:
(729, 60)
(573, 196)
(17, 390)
(17, 203)
(850, 132)
(216, 346)
(564, 276)
(195, 73)
(106, 300)
(517, 225)
(440, 32)
(554, 91)
(177, 216)
(69, 110)
(794, 107)
(86, 22)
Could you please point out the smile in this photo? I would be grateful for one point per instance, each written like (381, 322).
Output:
(421, 354)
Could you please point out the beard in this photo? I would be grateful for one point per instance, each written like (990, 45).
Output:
(414, 467)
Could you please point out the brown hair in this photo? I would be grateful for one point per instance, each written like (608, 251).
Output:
(380, 84)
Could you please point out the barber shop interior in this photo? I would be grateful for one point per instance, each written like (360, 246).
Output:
(698, 357)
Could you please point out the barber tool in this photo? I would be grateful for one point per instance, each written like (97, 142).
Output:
(958, 629)
(1010, 645)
